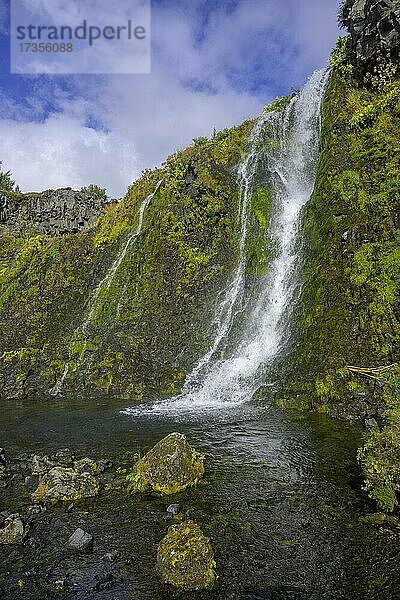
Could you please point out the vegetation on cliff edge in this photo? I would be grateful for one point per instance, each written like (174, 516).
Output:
(349, 310)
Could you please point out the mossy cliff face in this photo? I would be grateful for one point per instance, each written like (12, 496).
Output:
(348, 314)
(152, 319)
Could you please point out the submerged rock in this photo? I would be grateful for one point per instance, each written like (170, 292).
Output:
(42, 464)
(111, 556)
(13, 530)
(80, 541)
(3, 461)
(31, 483)
(61, 483)
(173, 509)
(185, 557)
(105, 582)
(170, 467)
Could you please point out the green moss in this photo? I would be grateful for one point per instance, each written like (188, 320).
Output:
(279, 103)
(185, 558)
(379, 520)
(384, 497)
(160, 301)
(348, 312)
(259, 247)
(380, 455)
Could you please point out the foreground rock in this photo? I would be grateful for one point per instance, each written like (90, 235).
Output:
(13, 530)
(60, 482)
(65, 484)
(170, 467)
(80, 541)
(185, 557)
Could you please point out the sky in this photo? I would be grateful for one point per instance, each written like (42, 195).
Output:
(215, 63)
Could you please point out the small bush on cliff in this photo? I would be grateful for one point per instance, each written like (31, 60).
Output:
(6, 181)
(95, 191)
(340, 59)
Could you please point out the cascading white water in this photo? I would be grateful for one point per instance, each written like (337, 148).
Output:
(287, 165)
(100, 293)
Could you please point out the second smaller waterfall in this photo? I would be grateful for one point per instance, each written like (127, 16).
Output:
(100, 294)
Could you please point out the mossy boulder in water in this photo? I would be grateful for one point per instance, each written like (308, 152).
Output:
(170, 467)
(62, 478)
(185, 557)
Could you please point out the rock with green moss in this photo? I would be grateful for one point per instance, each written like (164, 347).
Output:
(379, 520)
(170, 467)
(65, 480)
(185, 557)
(13, 530)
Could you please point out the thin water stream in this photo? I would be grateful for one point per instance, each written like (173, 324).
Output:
(100, 294)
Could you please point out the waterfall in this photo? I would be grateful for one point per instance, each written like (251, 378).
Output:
(283, 156)
(100, 293)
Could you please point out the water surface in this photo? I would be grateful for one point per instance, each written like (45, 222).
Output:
(281, 503)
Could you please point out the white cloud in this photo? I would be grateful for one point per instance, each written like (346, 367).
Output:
(206, 73)
(61, 152)
(92, 54)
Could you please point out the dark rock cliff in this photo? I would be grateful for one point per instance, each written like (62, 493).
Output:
(374, 26)
(52, 212)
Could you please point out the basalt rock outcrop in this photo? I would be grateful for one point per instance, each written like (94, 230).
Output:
(52, 212)
(374, 26)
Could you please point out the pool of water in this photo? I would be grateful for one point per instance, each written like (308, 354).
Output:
(281, 503)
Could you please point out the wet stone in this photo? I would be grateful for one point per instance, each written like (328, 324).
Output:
(104, 583)
(103, 465)
(169, 467)
(31, 483)
(111, 556)
(173, 509)
(36, 509)
(3, 516)
(80, 541)
(3, 460)
(13, 530)
(185, 558)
